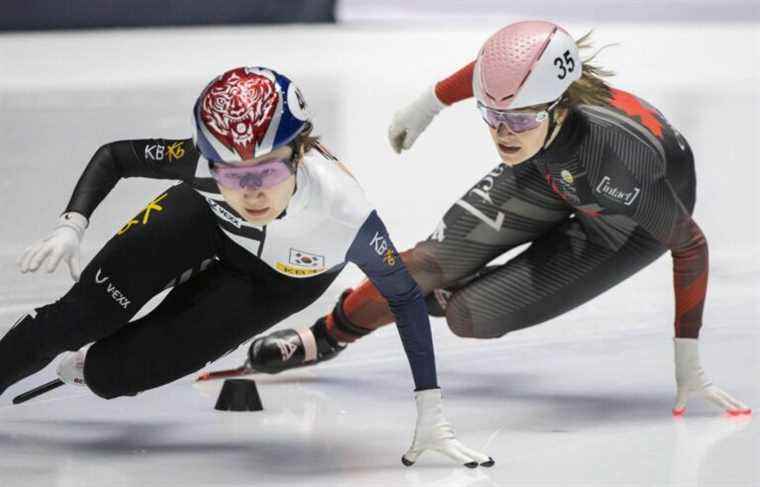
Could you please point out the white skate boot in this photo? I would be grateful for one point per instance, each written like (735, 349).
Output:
(71, 368)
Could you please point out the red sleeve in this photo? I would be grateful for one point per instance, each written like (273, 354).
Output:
(663, 215)
(659, 211)
(456, 87)
(690, 268)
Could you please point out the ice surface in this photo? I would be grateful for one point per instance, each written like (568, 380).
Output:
(582, 400)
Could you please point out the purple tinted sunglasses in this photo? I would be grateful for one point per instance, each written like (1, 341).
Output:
(260, 176)
(517, 122)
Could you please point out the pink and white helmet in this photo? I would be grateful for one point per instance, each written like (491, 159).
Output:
(525, 64)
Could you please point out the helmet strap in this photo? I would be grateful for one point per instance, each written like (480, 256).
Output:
(553, 124)
(295, 158)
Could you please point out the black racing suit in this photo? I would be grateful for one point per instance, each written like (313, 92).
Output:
(223, 292)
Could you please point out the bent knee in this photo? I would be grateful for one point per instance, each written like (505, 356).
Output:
(107, 374)
(464, 321)
(101, 381)
(423, 267)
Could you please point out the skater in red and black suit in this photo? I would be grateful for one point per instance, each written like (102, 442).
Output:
(594, 178)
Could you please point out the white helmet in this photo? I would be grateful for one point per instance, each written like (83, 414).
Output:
(525, 64)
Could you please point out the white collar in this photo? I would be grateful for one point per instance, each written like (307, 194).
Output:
(300, 199)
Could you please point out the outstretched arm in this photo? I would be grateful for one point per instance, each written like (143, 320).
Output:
(655, 206)
(373, 251)
(147, 158)
(409, 122)
(456, 87)
(152, 158)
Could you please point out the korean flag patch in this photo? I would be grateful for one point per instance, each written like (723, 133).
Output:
(305, 259)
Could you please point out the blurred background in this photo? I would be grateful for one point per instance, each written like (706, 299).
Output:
(76, 74)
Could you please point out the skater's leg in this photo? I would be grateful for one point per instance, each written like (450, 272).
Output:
(557, 273)
(169, 239)
(506, 208)
(198, 322)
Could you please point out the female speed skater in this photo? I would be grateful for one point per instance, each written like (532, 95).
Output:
(594, 178)
(262, 221)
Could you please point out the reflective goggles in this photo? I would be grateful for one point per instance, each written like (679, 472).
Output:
(517, 121)
(260, 176)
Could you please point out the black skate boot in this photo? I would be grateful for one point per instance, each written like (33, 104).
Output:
(288, 349)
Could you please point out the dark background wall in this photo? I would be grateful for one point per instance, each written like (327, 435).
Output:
(85, 14)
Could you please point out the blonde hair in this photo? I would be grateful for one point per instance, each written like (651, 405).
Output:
(591, 88)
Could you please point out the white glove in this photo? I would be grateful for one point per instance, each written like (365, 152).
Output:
(434, 432)
(691, 379)
(62, 244)
(409, 122)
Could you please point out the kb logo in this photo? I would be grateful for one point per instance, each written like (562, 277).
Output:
(379, 243)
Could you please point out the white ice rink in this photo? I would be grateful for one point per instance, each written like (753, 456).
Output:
(583, 400)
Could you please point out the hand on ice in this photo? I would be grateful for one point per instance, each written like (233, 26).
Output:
(409, 122)
(61, 244)
(434, 433)
(691, 380)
